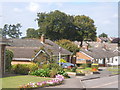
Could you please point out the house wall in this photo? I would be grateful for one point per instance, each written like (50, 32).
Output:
(80, 55)
(2, 59)
(20, 62)
(114, 60)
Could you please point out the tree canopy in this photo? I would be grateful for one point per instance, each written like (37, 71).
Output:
(58, 25)
(103, 35)
(12, 31)
(67, 44)
(32, 33)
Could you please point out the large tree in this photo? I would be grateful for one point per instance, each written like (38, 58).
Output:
(103, 35)
(32, 33)
(56, 25)
(69, 45)
(85, 28)
(12, 31)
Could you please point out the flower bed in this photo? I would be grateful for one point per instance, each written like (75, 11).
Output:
(56, 81)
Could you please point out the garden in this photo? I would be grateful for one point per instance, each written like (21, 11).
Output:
(84, 69)
(34, 76)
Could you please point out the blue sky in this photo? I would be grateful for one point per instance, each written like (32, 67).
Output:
(105, 14)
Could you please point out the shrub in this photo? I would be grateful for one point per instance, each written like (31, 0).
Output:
(53, 65)
(41, 73)
(24, 68)
(20, 69)
(33, 67)
(45, 66)
(74, 69)
(9, 55)
(53, 72)
(62, 72)
(95, 67)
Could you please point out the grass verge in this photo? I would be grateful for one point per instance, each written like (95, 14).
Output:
(16, 81)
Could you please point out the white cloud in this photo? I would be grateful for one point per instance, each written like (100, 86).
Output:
(17, 10)
(33, 7)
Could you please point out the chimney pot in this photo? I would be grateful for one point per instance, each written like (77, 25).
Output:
(42, 39)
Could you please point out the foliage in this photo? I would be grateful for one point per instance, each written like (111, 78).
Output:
(85, 28)
(73, 69)
(8, 58)
(62, 72)
(56, 81)
(103, 35)
(54, 65)
(58, 25)
(53, 72)
(24, 68)
(62, 61)
(67, 44)
(32, 33)
(95, 67)
(41, 72)
(12, 31)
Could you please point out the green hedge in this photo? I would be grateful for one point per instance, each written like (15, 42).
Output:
(24, 68)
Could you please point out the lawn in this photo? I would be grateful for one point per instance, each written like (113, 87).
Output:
(16, 81)
(114, 70)
(87, 68)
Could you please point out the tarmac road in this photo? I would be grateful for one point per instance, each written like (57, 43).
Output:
(105, 82)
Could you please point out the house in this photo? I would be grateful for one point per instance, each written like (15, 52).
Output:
(102, 53)
(29, 50)
(3, 44)
(102, 39)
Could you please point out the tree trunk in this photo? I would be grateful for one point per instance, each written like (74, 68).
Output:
(81, 43)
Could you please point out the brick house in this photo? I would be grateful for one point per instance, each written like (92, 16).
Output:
(101, 53)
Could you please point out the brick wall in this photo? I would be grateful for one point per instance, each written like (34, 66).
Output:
(2, 57)
(80, 55)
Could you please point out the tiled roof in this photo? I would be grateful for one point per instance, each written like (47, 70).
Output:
(99, 53)
(25, 48)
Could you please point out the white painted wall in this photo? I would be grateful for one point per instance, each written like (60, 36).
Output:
(114, 60)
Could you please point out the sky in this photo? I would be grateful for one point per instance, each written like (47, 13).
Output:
(104, 14)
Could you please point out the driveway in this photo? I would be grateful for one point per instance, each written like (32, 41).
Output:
(72, 82)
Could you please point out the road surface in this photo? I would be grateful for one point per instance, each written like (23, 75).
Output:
(105, 82)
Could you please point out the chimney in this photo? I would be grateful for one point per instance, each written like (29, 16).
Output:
(42, 39)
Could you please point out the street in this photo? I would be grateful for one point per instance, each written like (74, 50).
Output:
(105, 82)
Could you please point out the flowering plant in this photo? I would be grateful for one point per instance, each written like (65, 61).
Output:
(56, 81)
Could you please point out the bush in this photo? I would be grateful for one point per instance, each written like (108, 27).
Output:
(74, 69)
(45, 66)
(9, 55)
(24, 69)
(41, 73)
(20, 69)
(62, 72)
(53, 72)
(95, 67)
